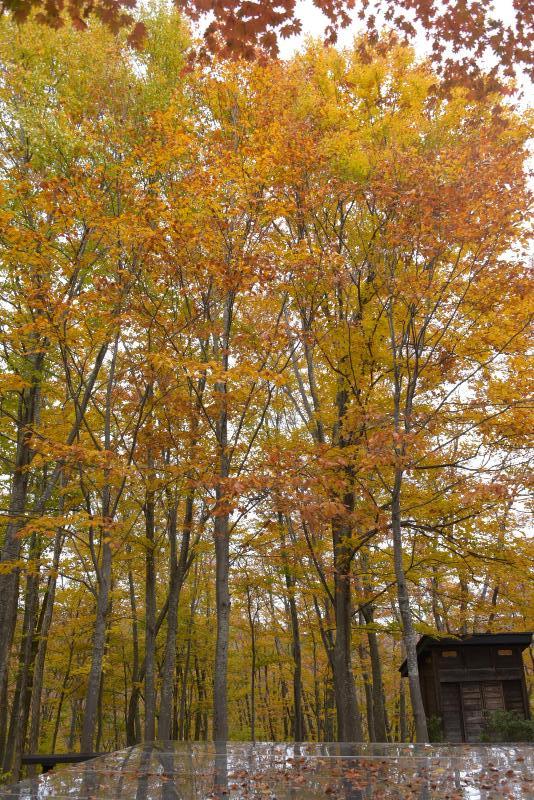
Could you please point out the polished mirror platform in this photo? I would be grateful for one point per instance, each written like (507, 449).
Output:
(267, 771)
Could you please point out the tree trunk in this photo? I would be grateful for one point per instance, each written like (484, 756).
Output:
(99, 715)
(329, 706)
(296, 652)
(409, 634)
(72, 729)
(403, 725)
(150, 608)
(131, 713)
(43, 629)
(286, 714)
(222, 543)
(368, 693)
(349, 725)
(62, 698)
(99, 645)
(438, 622)
(222, 599)
(183, 695)
(177, 571)
(180, 722)
(379, 710)
(132, 726)
(3, 715)
(103, 572)
(20, 707)
(252, 627)
(28, 409)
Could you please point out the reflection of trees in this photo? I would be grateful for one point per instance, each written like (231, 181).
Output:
(169, 788)
(234, 771)
(221, 769)
(144, 772)
(124, 764)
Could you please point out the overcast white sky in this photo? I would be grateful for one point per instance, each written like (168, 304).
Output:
(314, 23)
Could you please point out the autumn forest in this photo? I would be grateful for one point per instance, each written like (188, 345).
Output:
(264, 393)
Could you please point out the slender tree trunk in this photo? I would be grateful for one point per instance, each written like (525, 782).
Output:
(150, 607)
(316, 692)
(296, 651)
(181, 711)
(133, 727)
(268, 706)
(131, 714)
(368, 692)
(169, 658)
(298, 717)
(20, 707)
(494, 598)
(403, 724)
(464, 600)
(379, 710)
(177, 577)
(28, 410)
(349, 724)
(286, 714)
(104, 584)
(43, 629)
(174, 726)
(132, 719)
(438, 622)
(99, 643)
(252, 627)
(100, 716)
(348, 713)
(187, 665)
(3, 714)
(62, 696)
(222, 599)
(409, 634)
(200, 676)
(116, 744)
(72, 729)
(329, 708)
(222, 544)
(401, 429)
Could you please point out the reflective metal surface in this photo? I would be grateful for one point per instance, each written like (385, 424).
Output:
(267, 771)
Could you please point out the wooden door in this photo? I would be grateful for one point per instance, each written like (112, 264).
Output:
(478, 700)
(451, 712)
(473, 711)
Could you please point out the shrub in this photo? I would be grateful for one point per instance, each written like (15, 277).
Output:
(507, 726)
(435, 729)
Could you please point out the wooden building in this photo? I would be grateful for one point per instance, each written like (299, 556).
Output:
(464, 678)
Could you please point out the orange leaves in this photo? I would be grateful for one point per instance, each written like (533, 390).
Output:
(9, 566)
(10, 382)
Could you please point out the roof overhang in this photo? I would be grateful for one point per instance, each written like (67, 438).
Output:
(522, 640)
